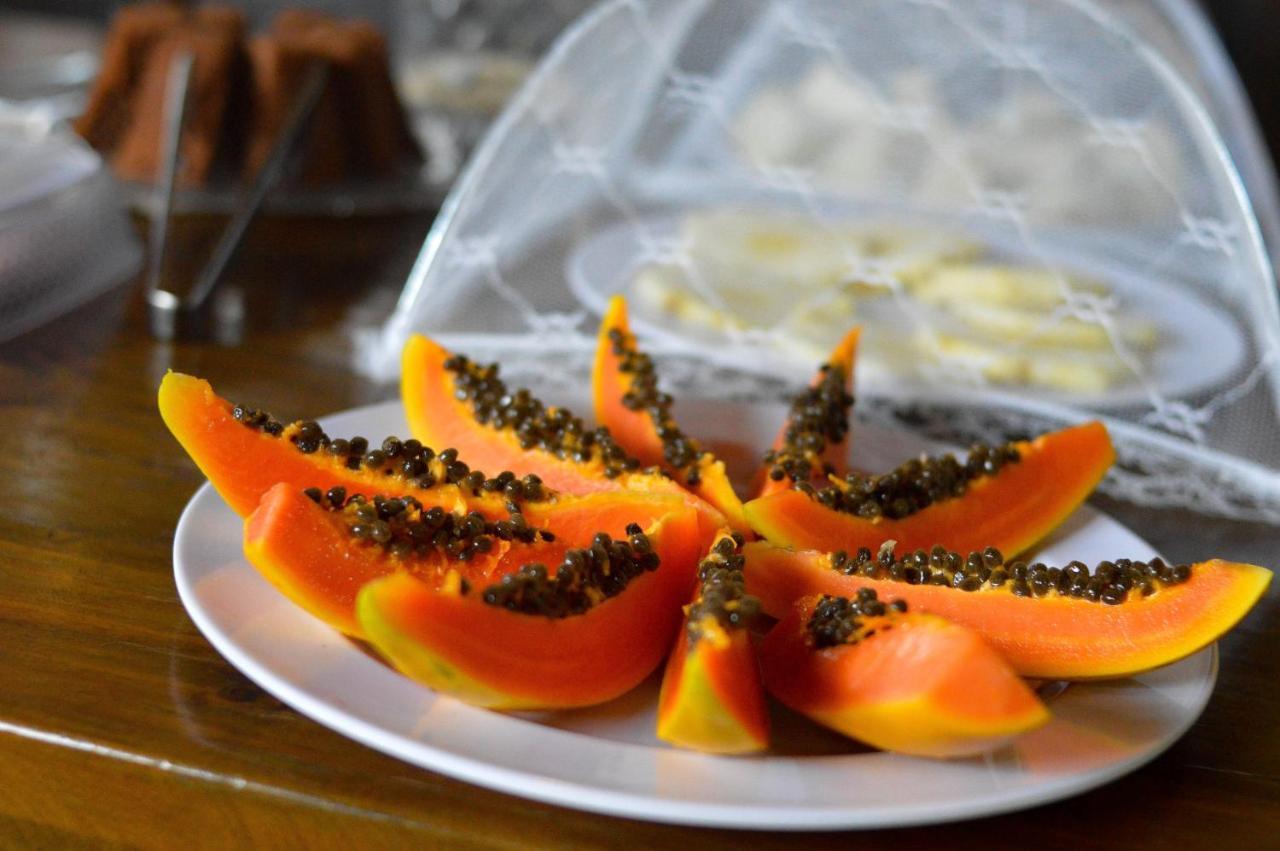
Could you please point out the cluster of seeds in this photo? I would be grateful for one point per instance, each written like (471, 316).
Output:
(535, 426)
(819, 418)
(912, 486)
(403, 527)
(1109, 582)
(407, 462)
(584, 578)
(678, 449)
(839, 620)
(260, 420)
(722, 591)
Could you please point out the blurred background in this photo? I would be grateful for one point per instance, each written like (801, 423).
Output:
(462, 58)
(411, 87)
(455, 61)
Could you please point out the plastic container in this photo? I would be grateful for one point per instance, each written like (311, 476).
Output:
(64, 237)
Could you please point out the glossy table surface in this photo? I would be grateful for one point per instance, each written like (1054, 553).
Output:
(119, 723)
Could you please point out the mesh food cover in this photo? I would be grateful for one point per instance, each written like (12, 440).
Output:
(1027, 210)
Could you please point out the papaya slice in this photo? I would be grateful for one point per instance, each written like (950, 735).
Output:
(449, 400)
(244, 452)
(629, 404)
(586, 632)
(1008, 497)
(712, 699)
(320, 548)
(1072, 623)
(900, 681)
(814, 441)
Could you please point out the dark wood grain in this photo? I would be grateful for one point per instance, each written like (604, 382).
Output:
(120, 725)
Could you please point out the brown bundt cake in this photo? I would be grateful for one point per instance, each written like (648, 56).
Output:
(213, 37)
(241, 95)
(359, 127)
(134, 31)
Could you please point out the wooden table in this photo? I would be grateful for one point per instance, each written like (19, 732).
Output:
(119, 723)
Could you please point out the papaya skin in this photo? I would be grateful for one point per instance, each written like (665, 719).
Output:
(437, 418)
(919, 686)
(712, 699)
(492, 657)
(637, 432)
(835, 455)
(1011, 510)
(309, 555)
(1050, 637)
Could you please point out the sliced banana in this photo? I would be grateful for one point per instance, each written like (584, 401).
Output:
(662, 290)
(753, 250)
(1003, 322)
(952, 284)
(1048, 329)
(1070, 372)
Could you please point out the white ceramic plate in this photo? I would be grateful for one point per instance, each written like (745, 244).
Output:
(606, 759)
(1200, 345)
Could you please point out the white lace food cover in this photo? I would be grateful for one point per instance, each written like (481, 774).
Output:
(1029, 214)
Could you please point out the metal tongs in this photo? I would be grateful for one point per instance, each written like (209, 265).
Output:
(172, 314)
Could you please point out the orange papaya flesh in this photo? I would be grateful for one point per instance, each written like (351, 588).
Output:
(814, 441)
(900, 681)
(244, 452)
(612, 378)
(452, 401)
(307, 546)
(294, 546)
(488, 646)
(629, 404)
(1093, 629)
(712, 699)
(1010, 509)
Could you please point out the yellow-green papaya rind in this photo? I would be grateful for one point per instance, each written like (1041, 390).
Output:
(712, 699)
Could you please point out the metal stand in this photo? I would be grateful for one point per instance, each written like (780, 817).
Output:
(172, 315)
